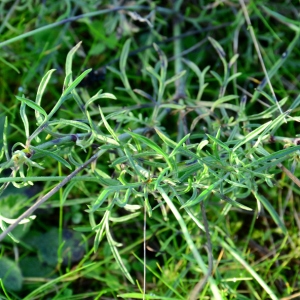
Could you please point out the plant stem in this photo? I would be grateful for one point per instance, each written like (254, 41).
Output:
(36, 205)
(72, 19)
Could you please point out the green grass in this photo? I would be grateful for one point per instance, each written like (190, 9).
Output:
(149, 152)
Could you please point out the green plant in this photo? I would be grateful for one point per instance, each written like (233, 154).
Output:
(158, 163)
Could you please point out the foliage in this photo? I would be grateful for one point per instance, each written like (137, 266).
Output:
(172, 171)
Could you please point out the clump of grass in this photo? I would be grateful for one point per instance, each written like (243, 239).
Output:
(171, 156)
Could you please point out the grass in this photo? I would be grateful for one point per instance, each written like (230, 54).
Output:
(149, 151)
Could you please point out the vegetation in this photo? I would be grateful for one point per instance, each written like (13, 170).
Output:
(149, 150)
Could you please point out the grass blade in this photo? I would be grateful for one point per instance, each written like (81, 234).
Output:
(271, 211)
(190, 242)
(115, 252)
(239, 258)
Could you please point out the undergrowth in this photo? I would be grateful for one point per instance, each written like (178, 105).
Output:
(149, 151)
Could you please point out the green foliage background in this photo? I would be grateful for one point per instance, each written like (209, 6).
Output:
(171, 154)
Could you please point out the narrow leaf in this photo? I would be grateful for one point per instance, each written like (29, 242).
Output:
(100, 230)
(234, 76)
(114, 70)
(53, 155)
(233, 60)
(124, 201)
(168, 141)
(68, 67)
(116, 254)
(153, 73)
(217, 76)
(204, 194)
(67, 190)
(124, 218)
(153, 146)
(144, 94)
(124, 55)
(40, 92)
(234, 203)
(24, 118)
(253, 134)
(67, 92)
(99, 95)
(9, 64)
(102, 197)
(248, 268)
(32, 104)
(64, 122)
(220, 143)
(5, 144)
(107, 126)
(222, 100)
(179, 144)
(277, 155)
(271, 211)
(175, 77)
(218, 47)
(75, 83)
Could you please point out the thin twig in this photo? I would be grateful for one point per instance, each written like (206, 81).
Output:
(70, 19)
(289, 174)
(36, 205)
